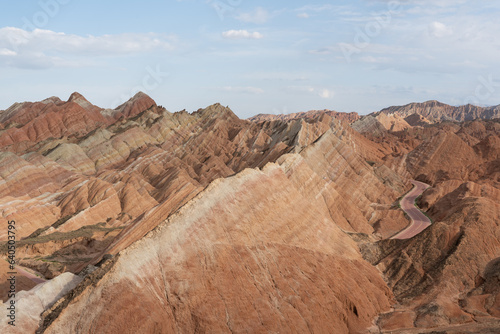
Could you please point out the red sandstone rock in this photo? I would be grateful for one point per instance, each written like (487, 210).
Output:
(220, 224)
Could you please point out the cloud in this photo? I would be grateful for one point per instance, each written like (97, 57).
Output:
(375, 60)
(326, 93)
(245, 90)
(45, 48)
(277, 76)
(241, 34)
(7, 52)
(439, 30)
(303, 15)
(258, 16)
(316, 8)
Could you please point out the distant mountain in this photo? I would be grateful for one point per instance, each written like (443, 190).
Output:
(347, 117)
(29, 123)
(398, 118)
(436, 111)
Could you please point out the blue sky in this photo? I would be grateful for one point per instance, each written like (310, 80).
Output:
(255, 56)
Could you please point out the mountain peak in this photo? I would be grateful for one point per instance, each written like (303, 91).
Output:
(76, 96)
(140, 95)
(136, 104)
(216, 110)
(52, 99)
(82, 102)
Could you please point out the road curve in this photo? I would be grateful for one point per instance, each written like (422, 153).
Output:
(419, 221)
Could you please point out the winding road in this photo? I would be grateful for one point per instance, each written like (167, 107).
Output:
(419, 221)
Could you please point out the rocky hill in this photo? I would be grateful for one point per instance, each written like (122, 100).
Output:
(201, 197)
(146, 220)
(439, 277)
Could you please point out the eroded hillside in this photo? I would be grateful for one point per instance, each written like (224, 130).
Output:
(203, 222)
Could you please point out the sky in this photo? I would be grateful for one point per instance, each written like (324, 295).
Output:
(254, 56)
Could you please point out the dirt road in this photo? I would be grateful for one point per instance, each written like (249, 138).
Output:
(419, 221)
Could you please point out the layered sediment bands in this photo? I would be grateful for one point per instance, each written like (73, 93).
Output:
(69, 119)
(219, 224)
(72, 158)
(351, 184)
(18, 177)
(250, 140)
(448, 151)
(295, 269)
(140, 163)
(378, 124)
(439, 273)
(137, 104)
(445, 156)
(439, 276)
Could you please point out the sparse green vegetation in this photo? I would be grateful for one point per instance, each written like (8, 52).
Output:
(37, 232)
(85, 231)
(62, 220)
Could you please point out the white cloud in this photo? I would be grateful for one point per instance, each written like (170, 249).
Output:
(316, 8)
(246, 90)
(302, 89)
(439, 30)
(326, 93)
(239, 34)
(41, 40)
(45, 48)
(375, 60)
(278, 76)
(303, 15)
(7, 52)
(258, 16)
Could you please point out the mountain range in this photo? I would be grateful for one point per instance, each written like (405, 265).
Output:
(145, 220)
